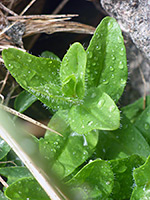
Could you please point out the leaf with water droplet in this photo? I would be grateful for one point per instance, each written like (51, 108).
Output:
(95, 181)
(143, 123)
(111, 53)
(120, 143)
(72, 71)
(48, 54)
(123, 169)
(142, 179)
(98, 108)
(26, 188)
(134, 110)
(15, 173)
(43, 81)
(71, 145)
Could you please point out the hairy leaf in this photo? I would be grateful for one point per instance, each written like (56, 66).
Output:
(106, 59)
(142, 181)
(14, 173)
(94, 181)
(26, 188)
(123, 180)
(98, 111)
(51, 55)
(72, 71)
(66, 153)
(37, 75)
(125, 141)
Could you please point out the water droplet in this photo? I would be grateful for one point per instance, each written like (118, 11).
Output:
(111, 68)
(101, 103)
(121, 65)
(112, 76)
(119, 39)
(112, 108)
(90, 123)
(18, 57)
(98, 47)
(110, 25)
(146, 126)
(90, 54)
(121, 51)
(113, 57)
(84, 141)
(10, 66)
(121, 169)
(123, 81)
(93, 63)
(24, 82)
(44, 62)
(29, 60)
(108, 182)
(105, 82)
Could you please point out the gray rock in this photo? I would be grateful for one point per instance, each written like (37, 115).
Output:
(133, 17)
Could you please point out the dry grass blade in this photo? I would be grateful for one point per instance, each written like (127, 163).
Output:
(14, 112)
(49, 27)
(50, 24)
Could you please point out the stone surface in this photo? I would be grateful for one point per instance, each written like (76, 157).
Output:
(133, 17)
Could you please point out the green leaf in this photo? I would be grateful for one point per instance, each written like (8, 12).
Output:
(14, 173)
(48, 54)
(98, 111)
(123, 182)
(95, 181)
(4, 148)
(125, 141)
(37, 75)
(2, 197)
(132, 111)
(66, 153)
(26, 188)
(106, 59)
(23, 101)
(143, 124)
(72, 71)
(142, 182)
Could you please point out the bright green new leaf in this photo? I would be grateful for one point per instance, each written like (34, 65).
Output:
(14, 173)
(123, 180)
(125, 141)
(132, 111)
(26, 188)
(66, 153)
(72, 71)
(98, 111)
(106, 59)
(37, 75)
(51, 55)
(142, 182)
(4, 148)
(143, 124)
(23, 101)
(95, 181)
